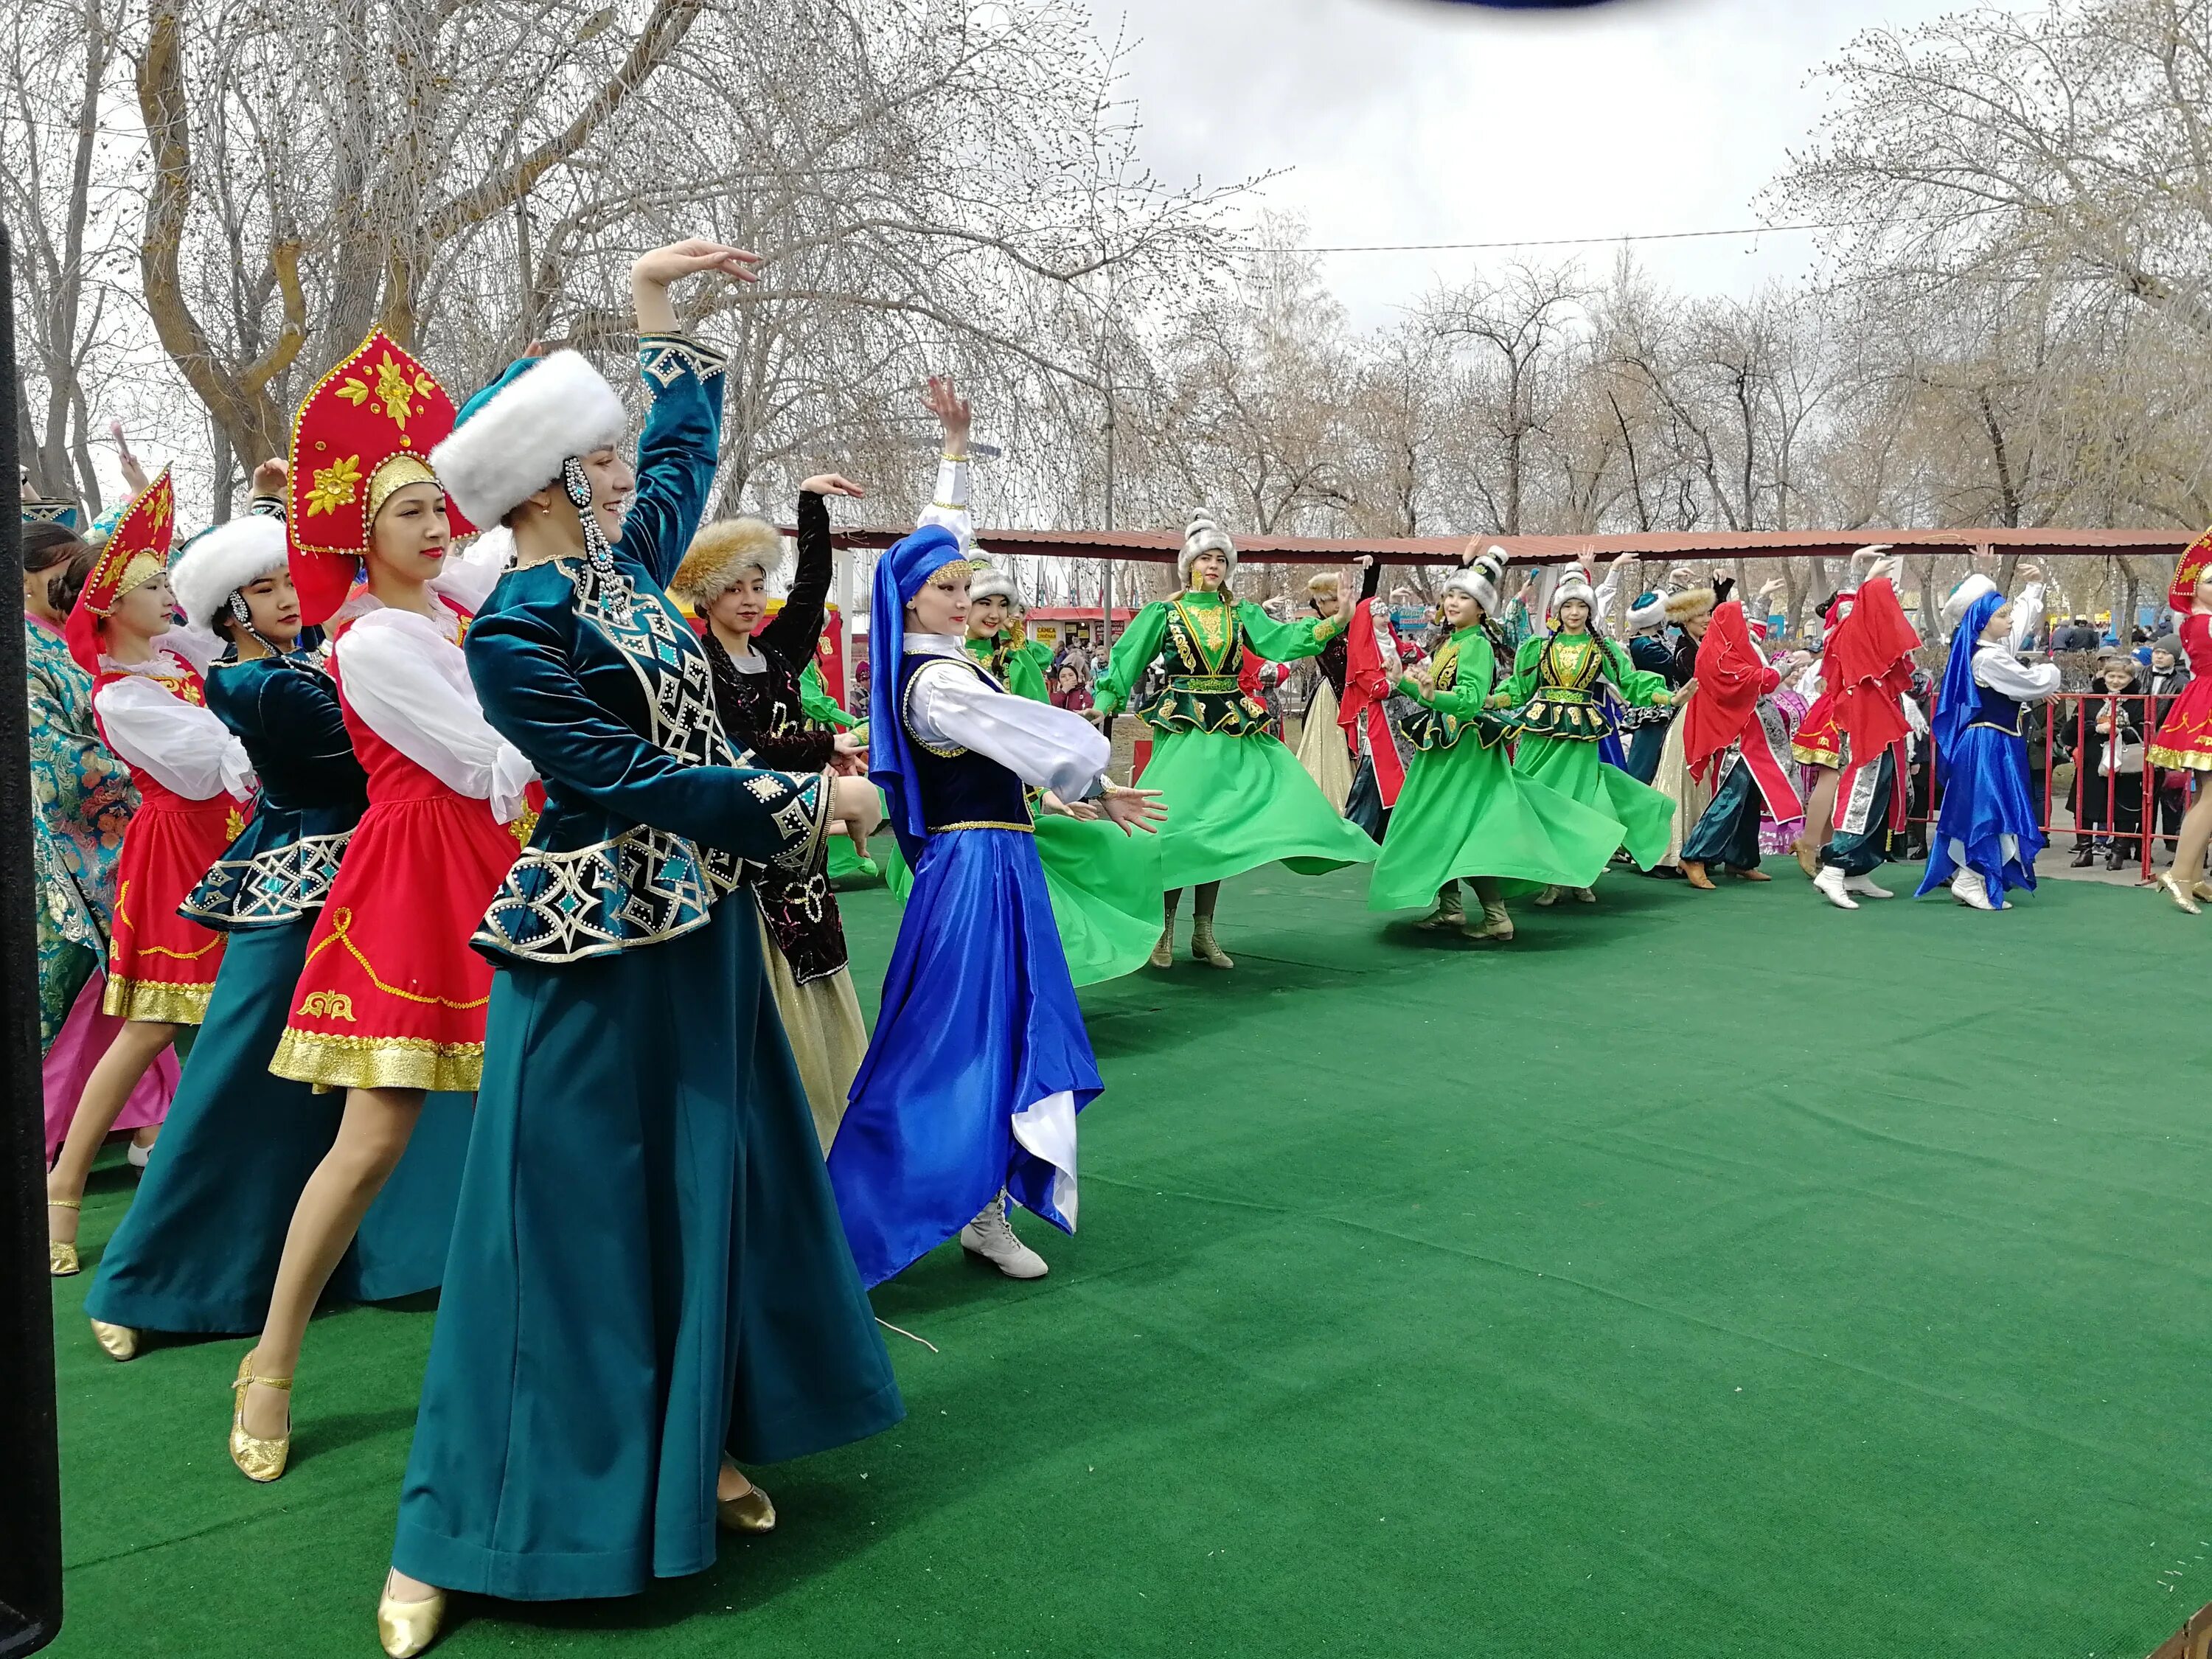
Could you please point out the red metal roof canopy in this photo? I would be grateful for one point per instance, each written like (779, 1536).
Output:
(1161, 546)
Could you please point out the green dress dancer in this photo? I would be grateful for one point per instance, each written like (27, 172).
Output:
(1235, 798)
(1556, 691)
(1104, 885)
(1465, 813)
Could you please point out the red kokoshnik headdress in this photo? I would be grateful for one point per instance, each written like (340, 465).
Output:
(2182, 596)
(137, 553)
(364, 432)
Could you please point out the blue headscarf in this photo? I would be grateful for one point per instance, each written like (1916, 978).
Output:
(902, 572)
(1959, 699)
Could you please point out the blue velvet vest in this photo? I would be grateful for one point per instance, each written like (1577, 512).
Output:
(959, 789)
(1995, 710)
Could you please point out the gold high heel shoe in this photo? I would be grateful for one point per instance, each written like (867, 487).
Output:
(258, 1460)
(2202, 890)
(116, 1341)
(749, 1512)
(405, 1628)
(2170, 885)
(61, 1259)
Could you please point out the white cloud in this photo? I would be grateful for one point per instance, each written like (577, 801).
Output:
(1423, 121)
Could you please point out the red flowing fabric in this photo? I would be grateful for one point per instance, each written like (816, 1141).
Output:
(1732, 677)
(1368, 681)
(1874, 642)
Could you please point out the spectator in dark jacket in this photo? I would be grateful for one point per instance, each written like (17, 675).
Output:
(2107, 731)
(2168, 679)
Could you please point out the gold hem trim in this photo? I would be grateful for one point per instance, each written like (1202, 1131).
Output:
(156, 999)
(1815, 758)
(2179, 759)
(978, 824)
(378, 1062)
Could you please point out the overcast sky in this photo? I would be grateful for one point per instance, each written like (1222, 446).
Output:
(1424, 121)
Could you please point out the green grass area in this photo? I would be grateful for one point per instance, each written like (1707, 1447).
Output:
(1702, 1275)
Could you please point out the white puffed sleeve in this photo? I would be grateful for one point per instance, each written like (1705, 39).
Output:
(2009, 676)
(198, 646)
(411, 685)
(949, 509)
(1047, 748)
(2026, 612)
(183, 745)
(468, 577)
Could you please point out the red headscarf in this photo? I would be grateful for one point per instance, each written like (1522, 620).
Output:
(1868, 667)
(1368, 681)
(1732, 677)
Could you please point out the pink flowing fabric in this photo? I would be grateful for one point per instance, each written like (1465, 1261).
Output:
(79, 1044)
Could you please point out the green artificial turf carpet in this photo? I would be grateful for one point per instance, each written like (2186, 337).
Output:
(1702, 1275)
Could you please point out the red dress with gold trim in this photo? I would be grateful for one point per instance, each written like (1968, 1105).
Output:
(160, 966)
(2185, 740)
(392, 996)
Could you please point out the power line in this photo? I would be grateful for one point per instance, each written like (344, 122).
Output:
(1547, 241)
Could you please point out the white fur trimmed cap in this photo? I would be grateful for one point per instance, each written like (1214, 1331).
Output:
(513, 435)
(1649, 611)
(993, 583)
(221, 561)
(1479, 581)
(1574, 583)
(1203, 536)
(1954, 608)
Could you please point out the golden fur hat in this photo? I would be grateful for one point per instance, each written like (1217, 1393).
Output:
(722, 553)
(1689, 602)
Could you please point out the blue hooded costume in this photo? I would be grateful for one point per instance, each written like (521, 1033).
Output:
(1988, 822)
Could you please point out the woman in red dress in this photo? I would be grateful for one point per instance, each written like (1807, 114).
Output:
(2184, 740)
(390, 1002)
(194, 784)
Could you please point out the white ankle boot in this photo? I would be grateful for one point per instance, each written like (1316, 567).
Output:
(991, 1237)
(1968, 888)
(1866, 887)
(1831, 884)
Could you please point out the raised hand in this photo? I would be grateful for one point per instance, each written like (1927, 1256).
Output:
(664, 266)
(954, 414)
(831, 484)
(271, 477)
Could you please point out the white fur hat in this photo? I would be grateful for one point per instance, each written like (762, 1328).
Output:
(1954, 608)
(991, 583)
(1203, 536)
(1479, 581)
(1649, 611)
(221, 561)
(1574, 583)
(513, 437)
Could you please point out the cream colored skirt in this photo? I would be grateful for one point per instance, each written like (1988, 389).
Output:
(1673, 779)
(822, 1021)
(1321, 748)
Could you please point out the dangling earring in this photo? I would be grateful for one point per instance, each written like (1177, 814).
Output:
(576, 483)
(239, 610)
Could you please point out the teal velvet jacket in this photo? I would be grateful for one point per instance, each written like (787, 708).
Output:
(649, 817)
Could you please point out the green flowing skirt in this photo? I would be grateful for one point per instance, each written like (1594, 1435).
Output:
(1571, 766)
(1464, 812)
(1234, 804)
(847, 868)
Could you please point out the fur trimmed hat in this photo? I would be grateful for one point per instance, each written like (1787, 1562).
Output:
(1649, 611)
(1974, 587)
(1326, 586)
(513, 437)
(991, 583)
(1480, 580)
(1203, 536)
(217, 562)
(722, 553)
(1690, 604)
(1574, 583)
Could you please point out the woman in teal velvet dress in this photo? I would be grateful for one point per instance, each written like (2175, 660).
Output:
(1235, 798)
(1556, 694)
(197, 1251)
(648, 1277)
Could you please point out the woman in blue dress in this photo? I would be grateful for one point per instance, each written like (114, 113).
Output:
(980, 1062)
(1988, 831)
(647, 1278)
(197, 1251)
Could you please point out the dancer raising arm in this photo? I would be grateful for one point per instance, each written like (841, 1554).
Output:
(980, 1062)
(390, 1002)
(1987, 831)
(2185, 737)
(194, 781)
(647, 1278)
(760, 695)
(1235, 798)
(198, 1250)
(1465, 814)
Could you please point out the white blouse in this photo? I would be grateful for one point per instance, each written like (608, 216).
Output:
(949, 705)
(1997, 668)
(949, 509)
(183, 747)
(404, 675)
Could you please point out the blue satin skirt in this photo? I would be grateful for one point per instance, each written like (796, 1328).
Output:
(199, 1249)
(979, 1063)
(1987, 795)
(647, 1270)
